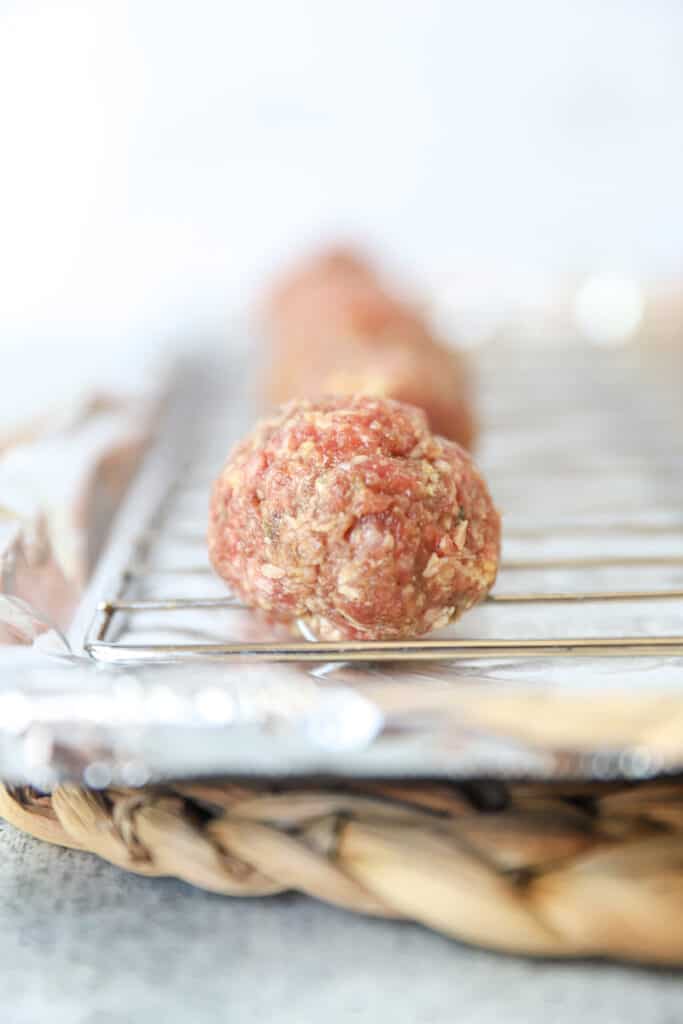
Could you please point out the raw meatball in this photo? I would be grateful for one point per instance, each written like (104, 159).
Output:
(426, 375)
(349, 514)
(334, 328)
(336, 265)
(341, 302)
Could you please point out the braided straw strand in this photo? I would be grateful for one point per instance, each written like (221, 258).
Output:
(541, 870)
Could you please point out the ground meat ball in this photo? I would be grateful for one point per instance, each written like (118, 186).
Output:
(336, 265)
(428, 376)
(349, 514)
(333, 328)
(342, 301)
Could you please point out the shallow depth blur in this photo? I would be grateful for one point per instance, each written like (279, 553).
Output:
(514, 169)
(159, 160)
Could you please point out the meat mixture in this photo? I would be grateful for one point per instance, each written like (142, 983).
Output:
(426, 375)
(334, 328)
(348, 513)
(335, 266)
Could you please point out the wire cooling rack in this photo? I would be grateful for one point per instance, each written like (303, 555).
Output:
(584, 458)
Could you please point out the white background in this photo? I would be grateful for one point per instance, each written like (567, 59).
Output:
(158, 158)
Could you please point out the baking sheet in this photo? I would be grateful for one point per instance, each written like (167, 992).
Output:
(583, 453)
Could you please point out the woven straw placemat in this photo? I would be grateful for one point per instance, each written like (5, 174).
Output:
(552, 869)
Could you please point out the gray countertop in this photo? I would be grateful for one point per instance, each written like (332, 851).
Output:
(82, 942)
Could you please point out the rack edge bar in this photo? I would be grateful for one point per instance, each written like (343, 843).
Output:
(425, 650)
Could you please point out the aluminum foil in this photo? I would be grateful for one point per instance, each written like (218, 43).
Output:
(584, 455)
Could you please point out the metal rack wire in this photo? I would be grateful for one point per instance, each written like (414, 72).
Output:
(646, 465)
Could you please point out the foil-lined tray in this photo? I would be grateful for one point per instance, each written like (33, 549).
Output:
(574, 668)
